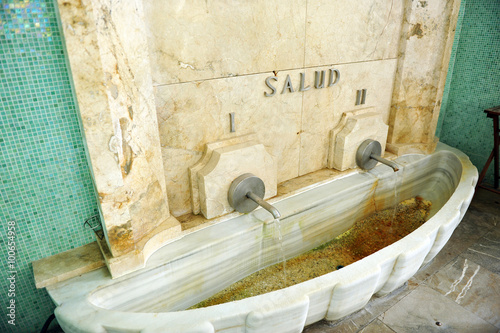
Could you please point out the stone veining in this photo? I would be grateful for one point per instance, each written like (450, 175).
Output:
(467, 286)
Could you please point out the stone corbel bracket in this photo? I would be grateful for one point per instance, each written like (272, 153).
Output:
(354, 128)
(137, 259)
(221, 163)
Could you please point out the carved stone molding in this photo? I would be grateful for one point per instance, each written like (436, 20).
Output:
(221, 163)
(354, 128)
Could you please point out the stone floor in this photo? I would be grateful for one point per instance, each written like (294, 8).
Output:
(459, 291)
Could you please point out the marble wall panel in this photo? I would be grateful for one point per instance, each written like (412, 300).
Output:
(323, 108)
(342, 31)
(426, 41)
(110, 65)
(294, 127)
(193, 114)
(193, 40)
(91, 93)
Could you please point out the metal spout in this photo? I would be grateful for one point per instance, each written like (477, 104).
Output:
(246, 193)
(270, 208)
(369, 153)
(382, 160)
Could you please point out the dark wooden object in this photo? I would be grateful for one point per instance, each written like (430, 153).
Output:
(493, 113)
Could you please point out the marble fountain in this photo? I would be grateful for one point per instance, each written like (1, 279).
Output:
(179, 275)
(154, 95)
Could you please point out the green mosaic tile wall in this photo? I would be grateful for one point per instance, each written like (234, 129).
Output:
(45, 182)
(473, 82)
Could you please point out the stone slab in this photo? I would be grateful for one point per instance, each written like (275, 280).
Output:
(471, 286)
(439, 315)
(167, 231)
(209, 149)
(486, 251)
(323, 108)
(68, 264)
(193, 41)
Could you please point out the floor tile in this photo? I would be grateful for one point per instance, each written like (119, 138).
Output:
(379, 305)
(449, 252)
(486, 251)
(376, 327)
(344, 326)
(474, 225)
(426, 310)
(486, 201)
(471, 286)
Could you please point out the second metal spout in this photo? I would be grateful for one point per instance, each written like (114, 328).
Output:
(369, 153)
(380, 159)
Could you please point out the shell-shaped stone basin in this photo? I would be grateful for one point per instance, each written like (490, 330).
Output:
(196, 266)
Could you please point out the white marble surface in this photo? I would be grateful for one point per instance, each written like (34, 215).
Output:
(151, 299)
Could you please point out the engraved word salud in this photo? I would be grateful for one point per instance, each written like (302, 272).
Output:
(319, 82)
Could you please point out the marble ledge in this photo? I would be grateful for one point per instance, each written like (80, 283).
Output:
(68, 264)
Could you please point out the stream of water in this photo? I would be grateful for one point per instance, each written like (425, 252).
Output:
(398, 182)
(281, 254)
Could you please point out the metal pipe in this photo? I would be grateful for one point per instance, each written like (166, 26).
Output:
(384, 161)
(271, 209)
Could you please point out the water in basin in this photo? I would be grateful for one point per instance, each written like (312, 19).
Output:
(365, 237)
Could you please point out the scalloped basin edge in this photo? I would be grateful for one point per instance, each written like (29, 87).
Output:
(194, 267)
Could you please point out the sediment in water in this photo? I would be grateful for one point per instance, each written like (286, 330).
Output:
(364, 238)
